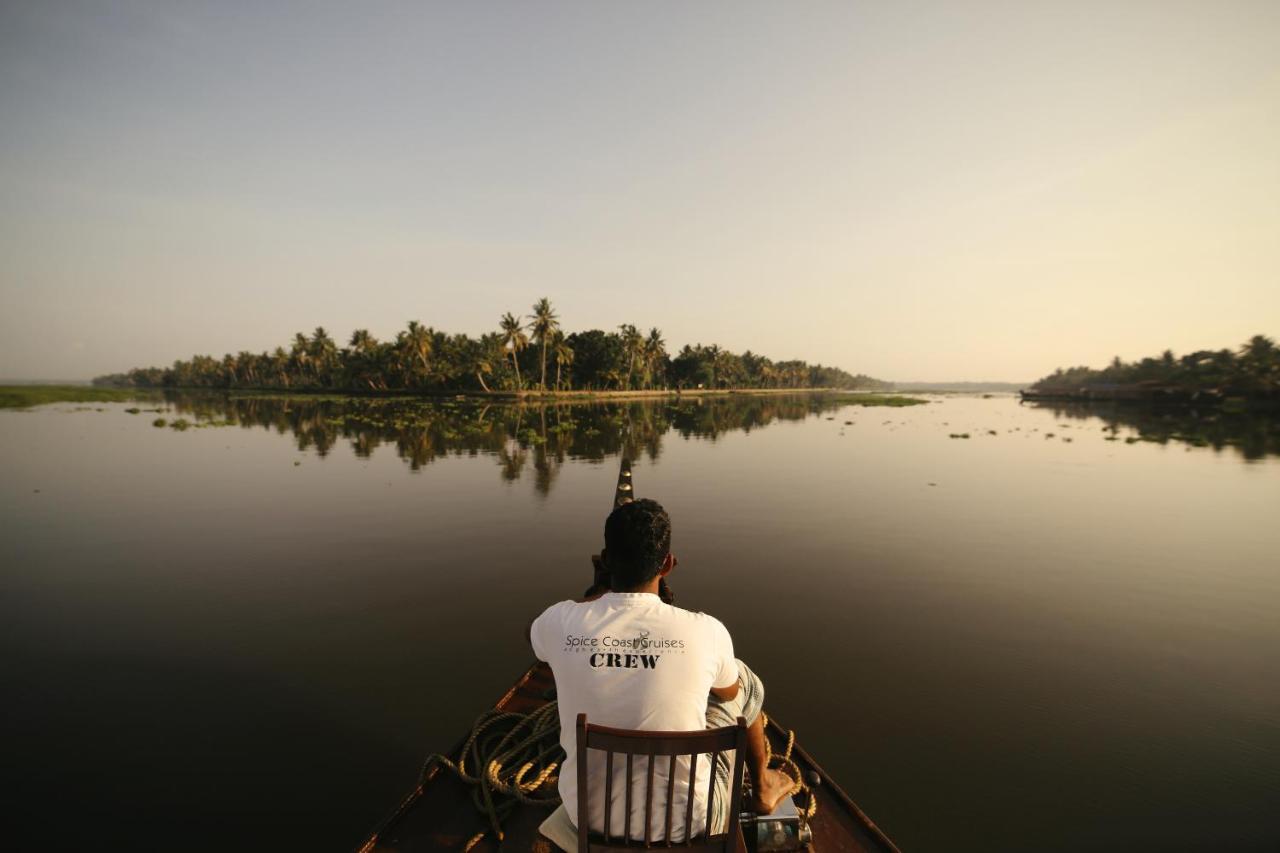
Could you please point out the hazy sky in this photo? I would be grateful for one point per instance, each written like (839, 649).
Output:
(958, 190)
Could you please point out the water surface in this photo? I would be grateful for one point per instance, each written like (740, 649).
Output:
(1042, 636)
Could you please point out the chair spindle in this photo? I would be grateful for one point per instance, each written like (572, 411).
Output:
(608, 790)
(688, 807)
(648, 802)
(711, 788)
(626, 824)
(671, 794)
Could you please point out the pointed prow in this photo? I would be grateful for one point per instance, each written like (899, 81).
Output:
(624, 493)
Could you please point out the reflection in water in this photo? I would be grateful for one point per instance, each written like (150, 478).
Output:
(1254, 435)
(515, 434)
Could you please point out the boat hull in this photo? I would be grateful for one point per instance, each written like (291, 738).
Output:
(438, 815)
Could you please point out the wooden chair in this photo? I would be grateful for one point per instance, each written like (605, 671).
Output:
(654, 746)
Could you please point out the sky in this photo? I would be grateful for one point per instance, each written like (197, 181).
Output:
(931, 191)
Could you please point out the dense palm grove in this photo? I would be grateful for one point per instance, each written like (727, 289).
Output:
(1253, 369)
(534, 355)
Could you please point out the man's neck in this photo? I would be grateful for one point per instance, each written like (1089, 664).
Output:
(651, 588)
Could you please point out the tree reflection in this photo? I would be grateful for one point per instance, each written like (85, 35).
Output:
(1254, 435)
(517, 436)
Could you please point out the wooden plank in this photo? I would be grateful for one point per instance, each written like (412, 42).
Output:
(838, 815)
(661, 743)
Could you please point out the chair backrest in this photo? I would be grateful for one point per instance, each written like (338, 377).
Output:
(654, 746)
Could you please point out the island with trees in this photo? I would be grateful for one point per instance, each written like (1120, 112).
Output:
(1249, 376)
(523, 356)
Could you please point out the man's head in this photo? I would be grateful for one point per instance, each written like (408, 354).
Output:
(637, 541)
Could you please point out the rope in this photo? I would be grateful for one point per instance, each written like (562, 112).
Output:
(787, 764)
(513, 757)
(503, 749)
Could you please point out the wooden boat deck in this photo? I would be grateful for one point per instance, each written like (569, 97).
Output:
(438, 815)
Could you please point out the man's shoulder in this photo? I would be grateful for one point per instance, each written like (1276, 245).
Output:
(558, 606)
(698, 617)
(555, 611)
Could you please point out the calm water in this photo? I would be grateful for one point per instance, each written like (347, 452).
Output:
(248, 636)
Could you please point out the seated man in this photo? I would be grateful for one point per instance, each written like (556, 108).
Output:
(628, 660)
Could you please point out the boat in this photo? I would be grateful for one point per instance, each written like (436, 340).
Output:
(440, 814)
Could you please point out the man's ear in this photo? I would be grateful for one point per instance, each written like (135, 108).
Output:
(668, 563)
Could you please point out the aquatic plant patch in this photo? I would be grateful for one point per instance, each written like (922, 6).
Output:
(26, 396)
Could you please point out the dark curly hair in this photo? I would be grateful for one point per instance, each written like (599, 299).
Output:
(637, 538)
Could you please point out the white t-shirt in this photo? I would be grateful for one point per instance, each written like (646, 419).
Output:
(630, 661)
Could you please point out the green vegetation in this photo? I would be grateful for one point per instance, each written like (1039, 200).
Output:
(23, 396)
(1252, 372)
(421, 359)
(892, 401)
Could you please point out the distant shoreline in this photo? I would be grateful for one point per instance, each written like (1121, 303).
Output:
(1158, 396)
(22, 396)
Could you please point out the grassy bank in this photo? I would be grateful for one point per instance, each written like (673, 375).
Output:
(892, 400)
(24, 396)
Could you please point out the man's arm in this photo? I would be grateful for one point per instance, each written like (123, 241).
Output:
(728, 665)
(725, 693)
(539, 627)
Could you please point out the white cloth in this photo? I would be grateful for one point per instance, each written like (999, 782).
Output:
(630, 661)
(560, 830)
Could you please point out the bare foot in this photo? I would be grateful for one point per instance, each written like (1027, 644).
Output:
(770, 790)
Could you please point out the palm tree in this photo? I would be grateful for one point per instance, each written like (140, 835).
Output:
(655, 351)
(363, 360)
(544, 326)
(417, 343)
(300, 354)
(713, 355)
(563, 354)
(514, 338)
(362, 342)
(726, 364)
(482, 357)
(323, 351)
(246, 361)
(632, 348)
(1260, 357)
(280, 366)
(491, 344)
(1115, 370)
(230, 367)
(480, 367)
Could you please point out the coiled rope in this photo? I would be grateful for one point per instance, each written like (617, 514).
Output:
(513, 757)
(784, 762)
